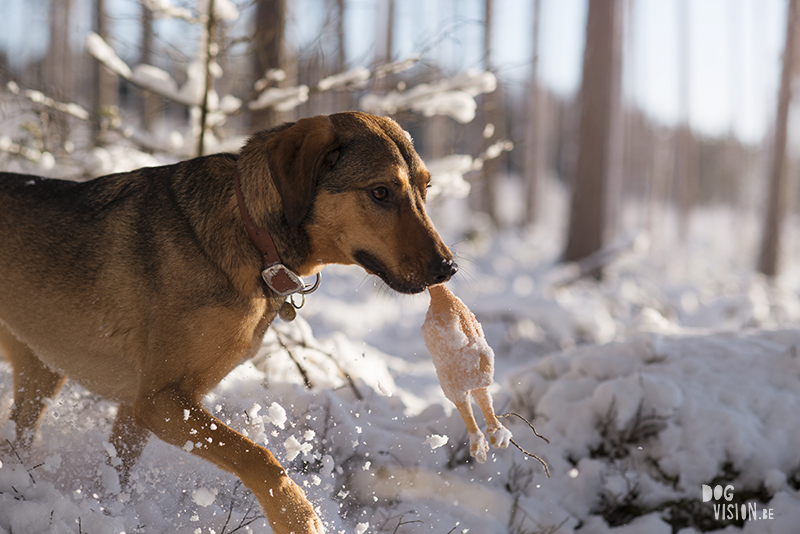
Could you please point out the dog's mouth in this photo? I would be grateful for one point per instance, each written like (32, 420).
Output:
(374, 266)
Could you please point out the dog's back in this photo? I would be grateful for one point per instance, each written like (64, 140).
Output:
(80, 262)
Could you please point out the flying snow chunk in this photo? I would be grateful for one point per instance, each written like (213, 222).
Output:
(294, 448)
(435, 441)
(277, 415)
(361, 528)
(203, 496)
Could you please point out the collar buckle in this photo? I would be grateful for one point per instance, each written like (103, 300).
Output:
(281, 280)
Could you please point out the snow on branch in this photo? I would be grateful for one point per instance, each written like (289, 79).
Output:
(163, 9)
(280, 98)
(37, 97)
(396, 66)
(447, 173)
(145, 76)
(44, 159)
(99, 49)
(454, 97)
(351, 78)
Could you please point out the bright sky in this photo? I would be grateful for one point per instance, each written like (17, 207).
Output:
(734, 47)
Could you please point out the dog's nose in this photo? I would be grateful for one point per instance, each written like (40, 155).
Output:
(443, 270)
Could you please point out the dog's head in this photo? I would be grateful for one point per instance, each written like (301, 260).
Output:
(354, 183)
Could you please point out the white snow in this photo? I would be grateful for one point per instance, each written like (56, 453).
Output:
(435, 441)
(277, 415)
(454, 97)
(281, 98)
(680, 369)
(102, 52)
(204, 497)
(354, 78)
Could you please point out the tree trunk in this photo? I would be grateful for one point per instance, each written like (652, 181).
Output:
(600, 96)
(106, 84)
(268, 52)
(494, 108)
(534, 153)
(770, 241)
(384, 52)
(150, 103)
(684, 182)
(58, 70)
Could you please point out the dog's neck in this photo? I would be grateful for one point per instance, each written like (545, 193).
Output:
(263, 205)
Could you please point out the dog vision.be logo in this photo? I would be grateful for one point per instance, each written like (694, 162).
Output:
(726, 510)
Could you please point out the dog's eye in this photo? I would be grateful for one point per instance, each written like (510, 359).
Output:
(381, 194)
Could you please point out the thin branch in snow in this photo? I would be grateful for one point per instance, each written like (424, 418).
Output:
(544, 464)
(300, 368)
(14, 450)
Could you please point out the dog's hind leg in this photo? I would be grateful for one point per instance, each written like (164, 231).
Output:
(128, 440)
(33, 383)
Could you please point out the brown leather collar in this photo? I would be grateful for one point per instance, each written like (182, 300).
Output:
(276, 275)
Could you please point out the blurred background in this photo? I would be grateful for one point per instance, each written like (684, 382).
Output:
(613, 123)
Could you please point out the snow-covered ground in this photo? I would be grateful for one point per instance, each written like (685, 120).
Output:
(681, 369)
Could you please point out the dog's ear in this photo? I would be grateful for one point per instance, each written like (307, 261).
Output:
(297, 156)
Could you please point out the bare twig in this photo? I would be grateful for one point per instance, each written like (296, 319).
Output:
(303, 372)
(303, 344)
(14, 450)
(528, 423)
(544, 464)
(401, 523)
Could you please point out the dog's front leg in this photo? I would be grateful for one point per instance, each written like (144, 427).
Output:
(182, 421)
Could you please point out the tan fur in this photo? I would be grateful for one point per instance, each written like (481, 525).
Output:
(145, 288)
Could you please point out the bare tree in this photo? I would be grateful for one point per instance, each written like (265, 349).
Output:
(534, 153)
(150, 103)
(384, 50)
(600, 97)
(58, 66)
(268, 52)
(105, 84)
(495, 119)
(770, 241)
(685, 179)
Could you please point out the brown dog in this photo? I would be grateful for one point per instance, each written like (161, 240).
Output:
(145, 288)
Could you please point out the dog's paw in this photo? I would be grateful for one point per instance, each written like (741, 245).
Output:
(478, 446)
(499, 436)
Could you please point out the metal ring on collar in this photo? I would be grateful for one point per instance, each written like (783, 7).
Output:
(312, 288)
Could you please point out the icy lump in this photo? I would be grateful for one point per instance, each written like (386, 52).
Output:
(465, 366)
